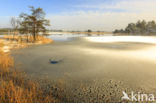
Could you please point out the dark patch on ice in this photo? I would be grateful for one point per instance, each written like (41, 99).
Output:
(55, 61)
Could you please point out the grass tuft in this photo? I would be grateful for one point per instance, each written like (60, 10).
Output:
(14, 88)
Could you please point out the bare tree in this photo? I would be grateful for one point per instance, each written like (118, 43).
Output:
(15, 23)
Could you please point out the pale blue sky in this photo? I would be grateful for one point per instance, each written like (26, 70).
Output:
(83, 14)
(14, 7)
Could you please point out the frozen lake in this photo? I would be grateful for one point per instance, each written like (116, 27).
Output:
(129, 60)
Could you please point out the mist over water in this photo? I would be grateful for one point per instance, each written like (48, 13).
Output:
(142, 53)
(137, 39)
(104, 39)
(147, 53)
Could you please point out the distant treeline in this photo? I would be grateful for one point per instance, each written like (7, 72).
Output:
(89, 30)
(4, 29)
(141, 27)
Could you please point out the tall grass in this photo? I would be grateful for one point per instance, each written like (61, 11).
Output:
(14, 88)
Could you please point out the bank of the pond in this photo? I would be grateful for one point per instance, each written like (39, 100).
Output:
(15, 86)
(16, 42)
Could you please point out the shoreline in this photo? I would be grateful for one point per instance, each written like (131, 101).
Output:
(10, 43)
(15, 82)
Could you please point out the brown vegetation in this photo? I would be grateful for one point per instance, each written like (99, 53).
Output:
(28, 39)
(16, 42)
(15, 88)
(1, 44)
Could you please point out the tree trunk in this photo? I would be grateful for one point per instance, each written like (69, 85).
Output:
(34, 33)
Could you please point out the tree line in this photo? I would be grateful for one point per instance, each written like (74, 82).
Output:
(141, 27)
(30, 24)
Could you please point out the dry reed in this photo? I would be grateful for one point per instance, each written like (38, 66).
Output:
(24, 38)
(14, 88)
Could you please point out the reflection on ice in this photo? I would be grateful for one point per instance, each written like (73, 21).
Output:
(64, 37)
(140, 39)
